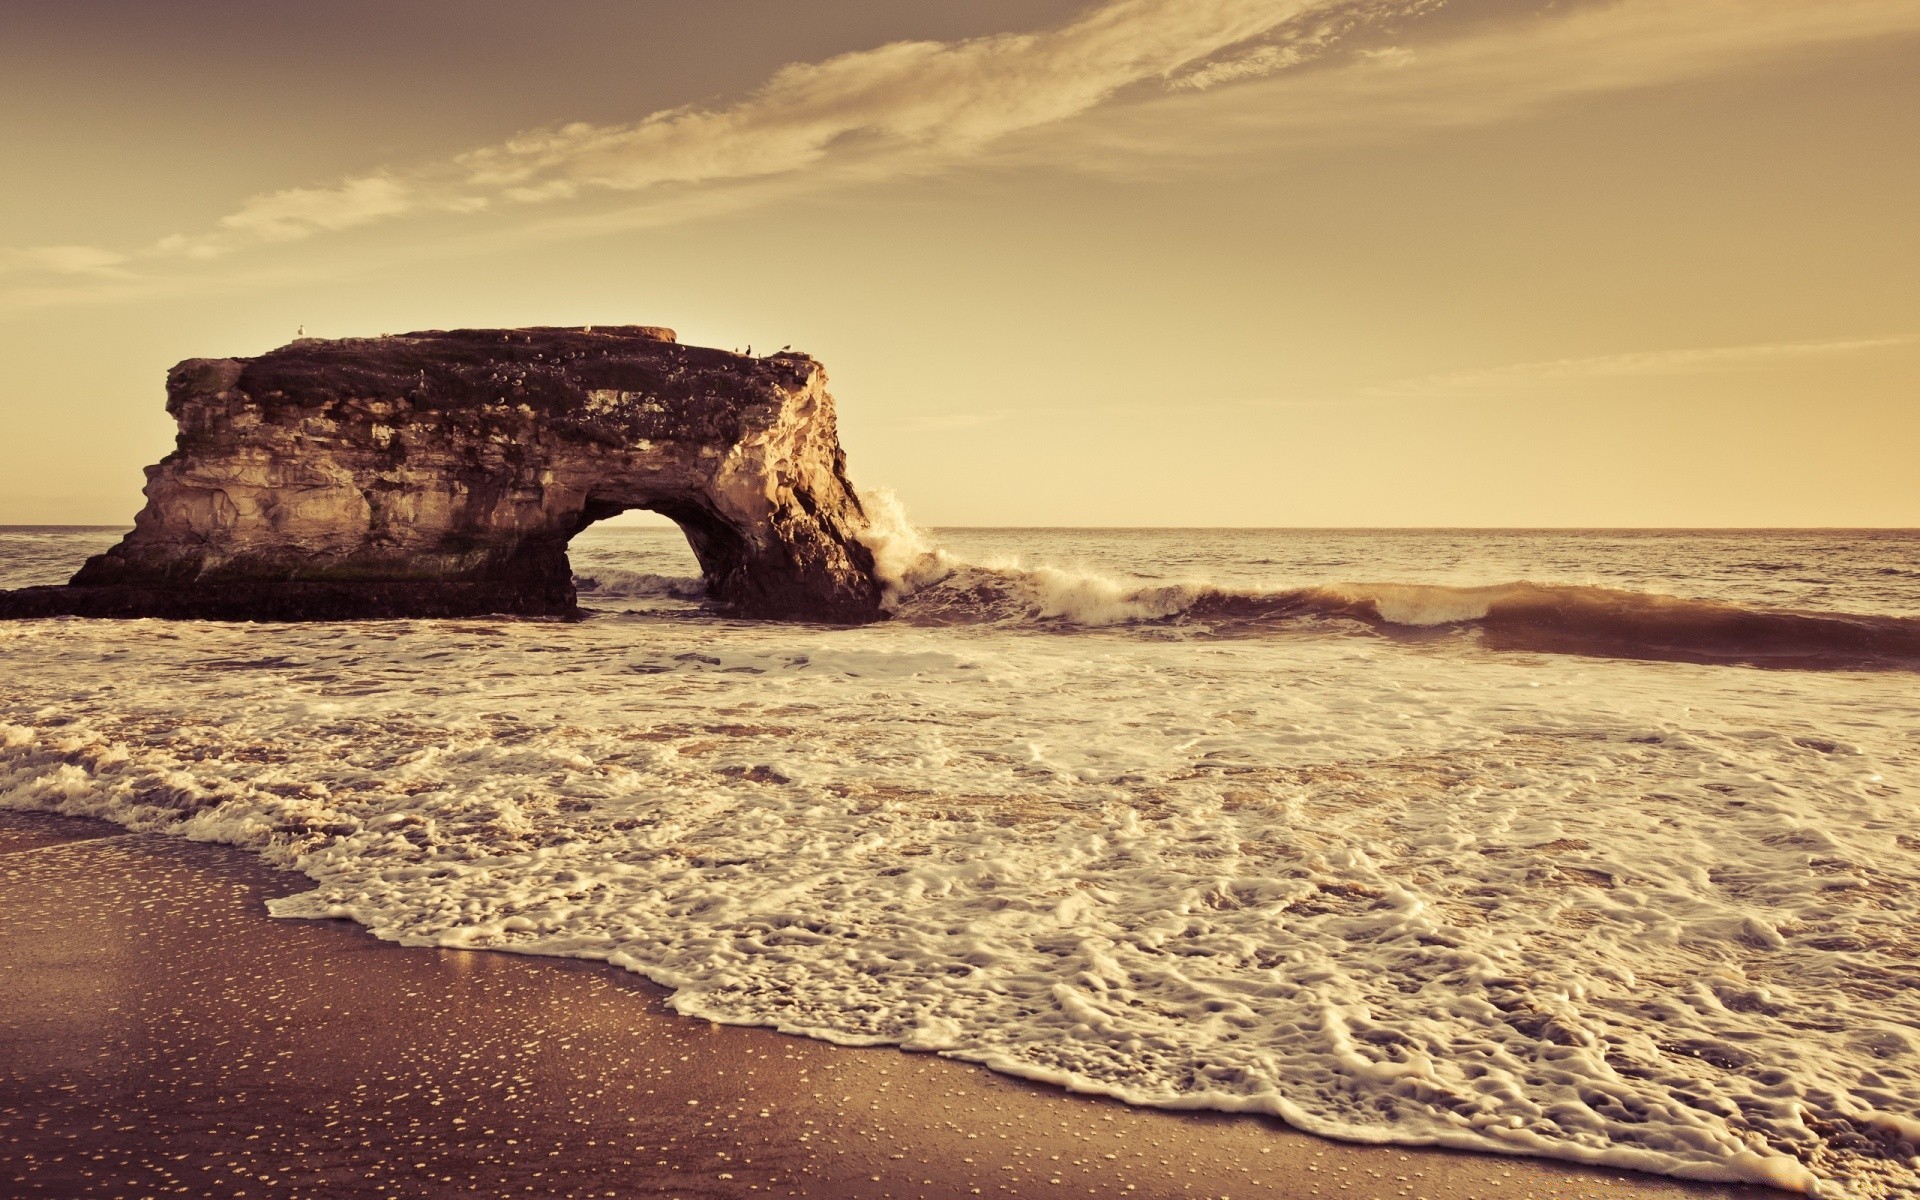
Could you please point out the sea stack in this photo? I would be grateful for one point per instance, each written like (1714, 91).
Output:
(442, 473)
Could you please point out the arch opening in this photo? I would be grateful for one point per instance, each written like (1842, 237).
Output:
(635, 559)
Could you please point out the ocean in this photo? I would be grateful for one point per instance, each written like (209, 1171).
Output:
(1594, 845)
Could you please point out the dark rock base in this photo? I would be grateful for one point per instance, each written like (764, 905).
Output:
(283, 601)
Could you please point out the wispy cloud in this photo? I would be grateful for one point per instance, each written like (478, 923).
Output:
(904, 107)
(1643, 364)
(65, 260)
(1494, 72)
(1136, 81)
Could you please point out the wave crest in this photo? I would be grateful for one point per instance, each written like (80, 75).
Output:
(926, 584)
(614, 583)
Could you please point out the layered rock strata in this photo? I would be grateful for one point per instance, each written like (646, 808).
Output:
(442, 474)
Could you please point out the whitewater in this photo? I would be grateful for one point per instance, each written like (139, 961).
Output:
(1597, 846)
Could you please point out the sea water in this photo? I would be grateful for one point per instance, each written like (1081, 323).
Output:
(1464, 838)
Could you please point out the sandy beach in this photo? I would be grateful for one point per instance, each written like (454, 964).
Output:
(162, 1035)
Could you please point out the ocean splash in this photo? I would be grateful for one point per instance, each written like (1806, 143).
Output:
(903, 557)
(928, 585)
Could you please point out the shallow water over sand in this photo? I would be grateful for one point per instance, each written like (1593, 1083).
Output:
(1648, 913)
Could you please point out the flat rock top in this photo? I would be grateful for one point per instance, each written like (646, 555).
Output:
(601, 334)
(554, 371)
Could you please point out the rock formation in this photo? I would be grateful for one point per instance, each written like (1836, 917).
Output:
(442, 473)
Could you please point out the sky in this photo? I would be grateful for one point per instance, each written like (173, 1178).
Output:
(1175, 263)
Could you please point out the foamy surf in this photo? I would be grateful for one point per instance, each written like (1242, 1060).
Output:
(1645, 914)
(613, 583)
(927, 584)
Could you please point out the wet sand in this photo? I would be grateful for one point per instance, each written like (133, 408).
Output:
(161, 1035)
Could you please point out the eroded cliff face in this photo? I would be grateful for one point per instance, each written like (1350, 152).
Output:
(441, 472)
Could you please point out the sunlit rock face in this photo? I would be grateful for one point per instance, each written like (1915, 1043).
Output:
(440, 473)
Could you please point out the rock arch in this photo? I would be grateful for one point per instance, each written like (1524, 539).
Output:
(443, 473)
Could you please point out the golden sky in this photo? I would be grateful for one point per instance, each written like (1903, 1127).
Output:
(1133, 262)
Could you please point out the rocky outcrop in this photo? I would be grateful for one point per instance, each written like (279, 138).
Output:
(442, 473)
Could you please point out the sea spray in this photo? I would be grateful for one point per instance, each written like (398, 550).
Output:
(905, 560)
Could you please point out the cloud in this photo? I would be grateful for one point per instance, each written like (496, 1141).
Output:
(64, 260)
(1127, 82)
(295, 212)
(1493, 72)
(1643, 364)
(899, 108)
(1256, 62)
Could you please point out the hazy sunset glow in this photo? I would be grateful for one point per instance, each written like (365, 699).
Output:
(1223, 262)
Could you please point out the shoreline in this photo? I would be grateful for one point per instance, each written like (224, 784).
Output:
(163, 1036)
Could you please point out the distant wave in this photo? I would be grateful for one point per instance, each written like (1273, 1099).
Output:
(1573, 619)
(927, 585)
(613, 583)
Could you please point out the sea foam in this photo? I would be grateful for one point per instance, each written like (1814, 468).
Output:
(1648, 914)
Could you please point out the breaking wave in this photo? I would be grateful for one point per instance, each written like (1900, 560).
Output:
(927, 585)
(613, 583)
